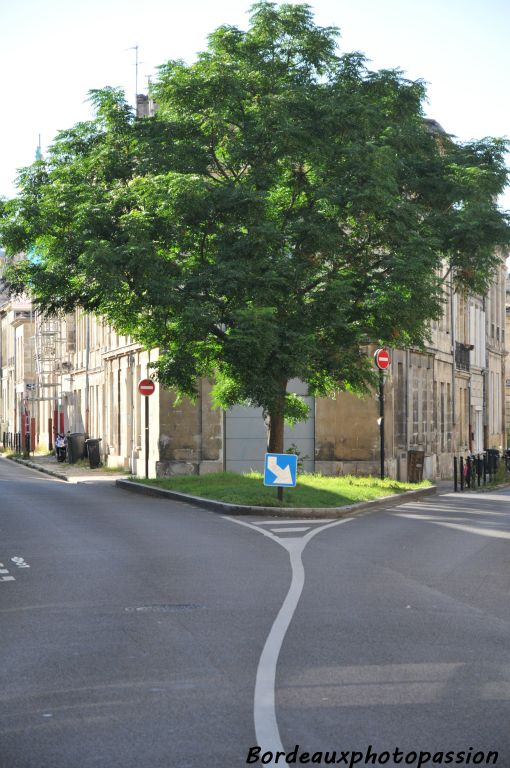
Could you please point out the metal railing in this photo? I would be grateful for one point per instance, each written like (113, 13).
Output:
(472, 471)
(462, 360)
(12, 440)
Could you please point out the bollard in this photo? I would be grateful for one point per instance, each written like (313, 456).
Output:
(455, 477)
(461, 468)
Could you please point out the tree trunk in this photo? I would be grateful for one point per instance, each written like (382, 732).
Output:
(276, 425)
(277, 421)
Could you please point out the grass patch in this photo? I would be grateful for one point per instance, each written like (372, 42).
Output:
(312, 490)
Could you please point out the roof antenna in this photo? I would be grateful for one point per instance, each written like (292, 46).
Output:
(137, 63)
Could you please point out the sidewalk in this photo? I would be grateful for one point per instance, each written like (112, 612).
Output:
(73, 473)
(443, 486)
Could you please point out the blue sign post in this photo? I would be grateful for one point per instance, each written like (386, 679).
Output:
(280, 470)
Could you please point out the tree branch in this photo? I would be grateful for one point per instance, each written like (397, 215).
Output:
(218, 164)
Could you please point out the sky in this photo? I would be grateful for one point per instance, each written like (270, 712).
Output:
(52, 52)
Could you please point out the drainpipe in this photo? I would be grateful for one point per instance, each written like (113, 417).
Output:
(406, 398)
(454, 367)
(224, 438)
(134, 394)
(200, 442)
(485, 380)
(470, 423)
(14, 393)
(87, 362)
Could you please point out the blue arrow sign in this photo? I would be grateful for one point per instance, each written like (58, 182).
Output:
(280, 469)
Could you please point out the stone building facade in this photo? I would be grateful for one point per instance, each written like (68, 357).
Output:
(17, 367)
(76, 374)
(507, 375)
(444, 400)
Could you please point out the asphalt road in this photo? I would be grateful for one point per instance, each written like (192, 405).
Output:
(133, 630)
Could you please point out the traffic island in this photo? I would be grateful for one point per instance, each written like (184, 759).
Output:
(224, 492)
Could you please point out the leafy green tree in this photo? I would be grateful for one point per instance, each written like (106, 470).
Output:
(285, 206)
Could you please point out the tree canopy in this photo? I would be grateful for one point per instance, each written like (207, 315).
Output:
(284, 206)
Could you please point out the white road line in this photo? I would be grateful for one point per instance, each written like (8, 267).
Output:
(7, 578)
(291, 530)
(491, 533)
(3, 571)
(275, 521)
(264, 708)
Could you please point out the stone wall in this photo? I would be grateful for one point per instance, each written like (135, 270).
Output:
(190, 435)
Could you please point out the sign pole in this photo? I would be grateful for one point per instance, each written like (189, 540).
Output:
(146, 388)
(146, 437)
(382, 360)
(381, 419)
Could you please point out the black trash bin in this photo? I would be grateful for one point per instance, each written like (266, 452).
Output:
(493, 460)
(75, 446)
(93, 451)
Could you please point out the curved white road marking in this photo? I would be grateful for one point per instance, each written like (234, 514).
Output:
(276, 520)
(264, 706)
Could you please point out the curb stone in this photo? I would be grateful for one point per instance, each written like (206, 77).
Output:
(297, 512)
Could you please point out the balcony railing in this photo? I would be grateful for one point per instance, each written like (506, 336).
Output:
(462, 356)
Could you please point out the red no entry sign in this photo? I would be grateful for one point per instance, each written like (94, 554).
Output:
(146, 387)
(382, 358)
